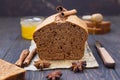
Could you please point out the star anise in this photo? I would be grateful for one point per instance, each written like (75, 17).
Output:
(54, 75)
(78, 66)
(40, 64)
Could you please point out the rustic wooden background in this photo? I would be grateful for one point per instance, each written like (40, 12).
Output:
(47, 7)
(11, 45)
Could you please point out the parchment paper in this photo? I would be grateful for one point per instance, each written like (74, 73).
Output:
(88, 56)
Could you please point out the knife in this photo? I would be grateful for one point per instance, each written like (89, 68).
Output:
(107, 59)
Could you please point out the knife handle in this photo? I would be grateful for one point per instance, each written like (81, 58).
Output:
(107, 59)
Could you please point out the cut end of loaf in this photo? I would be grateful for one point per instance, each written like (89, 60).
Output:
(65, 41)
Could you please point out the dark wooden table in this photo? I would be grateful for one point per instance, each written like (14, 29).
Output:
(11, 45)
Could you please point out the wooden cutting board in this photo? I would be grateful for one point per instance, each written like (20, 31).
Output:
(100, 28)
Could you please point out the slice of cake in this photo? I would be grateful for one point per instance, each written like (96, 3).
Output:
(10, 71)
(63, 39)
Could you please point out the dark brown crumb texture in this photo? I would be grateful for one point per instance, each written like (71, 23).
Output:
(60, 41)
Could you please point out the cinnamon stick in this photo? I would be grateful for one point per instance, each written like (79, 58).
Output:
(60, 9)
(29, 57)
(22, 57)
(67, 13)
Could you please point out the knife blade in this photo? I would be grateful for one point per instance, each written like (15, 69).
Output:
(107, 59)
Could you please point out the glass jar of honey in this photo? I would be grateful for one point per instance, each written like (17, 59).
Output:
(28, 26)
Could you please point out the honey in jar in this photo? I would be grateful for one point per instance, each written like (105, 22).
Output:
(28, 25)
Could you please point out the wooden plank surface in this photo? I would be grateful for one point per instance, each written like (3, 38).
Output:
(11, 44)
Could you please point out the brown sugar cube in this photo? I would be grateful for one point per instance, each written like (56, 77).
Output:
(10, 71)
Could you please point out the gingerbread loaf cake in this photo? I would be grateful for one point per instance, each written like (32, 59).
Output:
(62, 39)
